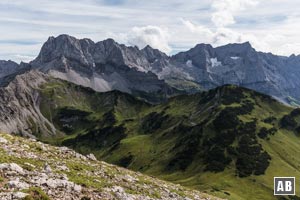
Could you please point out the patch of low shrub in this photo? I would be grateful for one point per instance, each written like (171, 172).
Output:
(186, 147)
(288, 122)
(264, 132)
(153, 122)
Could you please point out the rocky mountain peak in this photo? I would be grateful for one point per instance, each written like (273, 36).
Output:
(199, 55)
(63, 46)
(66, 49)
(110, 42)
(294, 57)
(108, 65)
(102, 66)
(7, 62)
(236, 49)
(243, 44)
(202, 46)
(8, 67)
(240, 46)
(153, 54)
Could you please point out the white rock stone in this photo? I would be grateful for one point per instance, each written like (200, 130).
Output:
(77, 188)
(80, 156)
(63, 168)
(129, 178)
(18, 184)
(19, 195)
(43, 175)
(117, 189)
(3, 140)
(26, 146)
(12, 167)
(58, 183)
(40, 181)
(47, 168)
(91, 157)
(43, 147)
(123, 196)
(64, 149)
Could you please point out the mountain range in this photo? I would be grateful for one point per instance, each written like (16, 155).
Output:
(107, 65)
(217, 120)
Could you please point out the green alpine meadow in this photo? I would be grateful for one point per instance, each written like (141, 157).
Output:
(229, 142)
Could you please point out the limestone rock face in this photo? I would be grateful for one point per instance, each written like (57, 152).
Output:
(237, 64)
(102, 66)
(19, 105)
(107, 65)
(8, 67)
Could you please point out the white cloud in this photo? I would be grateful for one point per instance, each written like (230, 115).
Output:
(24, 58)
(226, 9)
(233, 5)
(18, 52)
(202, 30)
(222, 36)
(222, 18)
(154, 36)
(276, 38)
(288, 49)
(223, 15)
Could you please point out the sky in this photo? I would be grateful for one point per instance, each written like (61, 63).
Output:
(171, 26)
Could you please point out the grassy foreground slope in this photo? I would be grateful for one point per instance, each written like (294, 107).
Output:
(31, 170)
(229, 141)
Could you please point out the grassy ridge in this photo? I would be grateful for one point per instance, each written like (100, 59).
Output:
(230, 141)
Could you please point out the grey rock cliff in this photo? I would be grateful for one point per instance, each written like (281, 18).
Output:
(8, 67)
(237, 64)
(103, 66)
(107, 65)
(19, 106)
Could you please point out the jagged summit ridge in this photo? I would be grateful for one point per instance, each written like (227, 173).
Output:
(108, 65)
(238, 64)
(89, 53)
(102, 66)
(7, 67)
